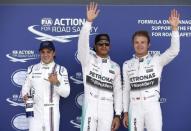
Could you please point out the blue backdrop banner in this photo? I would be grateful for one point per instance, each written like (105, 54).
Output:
(23, 27)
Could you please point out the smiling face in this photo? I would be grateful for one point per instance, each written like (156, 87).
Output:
(47, 55)
(102, 45)
(141, 45)
(102, 48)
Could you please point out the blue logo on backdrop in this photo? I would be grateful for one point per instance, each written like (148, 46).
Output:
(22, 55)
(16, 100)
(59, 25)
(76, 57)
(77, 122)
(18, 77)
(19, 122)
(78, 78)
(79, 99)
(79, 102)
(62, 24)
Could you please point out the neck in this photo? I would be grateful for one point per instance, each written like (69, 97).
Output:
(102, 56)
(46, 63)
(141, 55)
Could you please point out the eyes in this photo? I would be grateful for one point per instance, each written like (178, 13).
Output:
(103, 44)
(140, 42)
(43, 52)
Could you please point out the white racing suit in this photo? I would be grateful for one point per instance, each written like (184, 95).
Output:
(102, 86)
(46, 97)
(141, 91)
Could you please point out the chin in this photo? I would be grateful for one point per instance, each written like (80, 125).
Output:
(104, 54)
(46, 62)
(141, 53)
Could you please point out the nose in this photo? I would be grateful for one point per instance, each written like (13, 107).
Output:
(103, 45)
(46, 55)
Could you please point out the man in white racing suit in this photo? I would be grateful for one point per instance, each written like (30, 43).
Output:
(142, 75)
(102, 80)
(46, 82)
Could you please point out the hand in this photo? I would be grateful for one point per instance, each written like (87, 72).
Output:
(125, 120)
(25, 98)
(115, 124)
(174, 19)
(53, 79)
(92, 11)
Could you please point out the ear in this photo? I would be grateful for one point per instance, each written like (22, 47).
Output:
(54, 53)
(109, 47)
(95, 47)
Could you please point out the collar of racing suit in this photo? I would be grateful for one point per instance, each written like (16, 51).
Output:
(142, 58)
(47, 66)
(102, 60)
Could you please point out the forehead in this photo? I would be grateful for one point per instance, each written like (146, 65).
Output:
(46, 50)
(103, 37)
(140, 38)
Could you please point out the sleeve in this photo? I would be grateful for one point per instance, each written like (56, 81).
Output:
(171, 52)
(83, 43)
(63, 89)
(126, 89)
(27, 84)
(117, 93)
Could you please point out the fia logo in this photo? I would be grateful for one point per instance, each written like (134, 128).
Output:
(46, 21)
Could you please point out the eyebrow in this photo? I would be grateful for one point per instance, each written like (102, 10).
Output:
(49, 51)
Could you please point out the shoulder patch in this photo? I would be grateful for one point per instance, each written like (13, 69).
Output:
(61, 70)
(36, 67)
(30, 69)
(129, 63)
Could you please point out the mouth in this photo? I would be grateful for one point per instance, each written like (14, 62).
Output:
(104, 50)
(140, 48)
(46, 59)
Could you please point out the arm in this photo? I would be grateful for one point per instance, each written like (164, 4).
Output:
(27, 85)
(126, 89)
(117, 93)
(63, 88)
(83, 41)
(126, 94)
(117, 100)
(173, 51)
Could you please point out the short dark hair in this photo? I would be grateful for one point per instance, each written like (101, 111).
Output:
(141, 33)
(48, 45)
(98, 38)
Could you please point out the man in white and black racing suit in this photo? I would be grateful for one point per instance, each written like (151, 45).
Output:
(46, 82)
(142, 75)
(102, 80)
